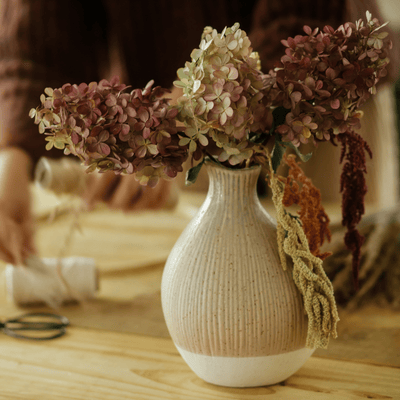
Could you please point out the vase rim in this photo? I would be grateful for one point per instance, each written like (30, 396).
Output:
(210, 163)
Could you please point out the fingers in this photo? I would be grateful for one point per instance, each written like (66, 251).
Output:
(29, 246)
(125, 193)
(152, 198)
(11, 241)
(16, 246)
(131, 196)
(6, 256)
(100, 188)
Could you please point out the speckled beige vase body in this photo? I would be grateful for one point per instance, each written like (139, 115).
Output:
(233, 313)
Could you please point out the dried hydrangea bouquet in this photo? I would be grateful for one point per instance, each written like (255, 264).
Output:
(246, 300)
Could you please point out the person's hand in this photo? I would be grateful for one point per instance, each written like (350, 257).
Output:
(16, 227)
(125, 193)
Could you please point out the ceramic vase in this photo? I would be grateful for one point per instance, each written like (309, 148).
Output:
(234, 314)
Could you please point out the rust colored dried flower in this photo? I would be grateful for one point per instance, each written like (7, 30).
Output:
(299, 190)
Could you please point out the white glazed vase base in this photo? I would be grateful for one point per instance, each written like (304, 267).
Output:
(246, 371)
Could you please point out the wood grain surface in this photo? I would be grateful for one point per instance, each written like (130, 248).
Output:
(95, 364)
(118, 346)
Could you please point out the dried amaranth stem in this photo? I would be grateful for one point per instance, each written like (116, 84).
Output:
(308, 274)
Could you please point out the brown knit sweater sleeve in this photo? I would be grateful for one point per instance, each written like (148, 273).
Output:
(41, 42)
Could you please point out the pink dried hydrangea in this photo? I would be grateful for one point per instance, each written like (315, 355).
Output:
(325, 76)
(109, 128)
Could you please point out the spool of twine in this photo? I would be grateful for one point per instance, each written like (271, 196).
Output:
(53, 281)
(62, 176)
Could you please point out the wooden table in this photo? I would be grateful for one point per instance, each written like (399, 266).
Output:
(118, 346)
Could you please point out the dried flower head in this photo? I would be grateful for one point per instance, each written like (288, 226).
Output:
(111, 129)
(300, 190)
(222, 88)
(325, 76)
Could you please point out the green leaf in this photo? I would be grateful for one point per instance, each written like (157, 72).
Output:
(279, 117)
(258, 138)
(193, 173)
(277, 154)
(209, 157)
(303, 157)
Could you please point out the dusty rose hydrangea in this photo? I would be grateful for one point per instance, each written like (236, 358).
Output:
(325, 76)
(222, 88)
(109, 128)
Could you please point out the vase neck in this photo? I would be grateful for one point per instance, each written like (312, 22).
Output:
(233, 185)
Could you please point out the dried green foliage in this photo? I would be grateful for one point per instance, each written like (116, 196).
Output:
(308, 272)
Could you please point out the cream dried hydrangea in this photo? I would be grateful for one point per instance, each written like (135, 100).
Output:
(222, 88)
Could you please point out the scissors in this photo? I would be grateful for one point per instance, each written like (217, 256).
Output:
(41, 326)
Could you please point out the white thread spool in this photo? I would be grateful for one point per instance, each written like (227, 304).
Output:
(55, 280)
(62, 176)
(42, 281)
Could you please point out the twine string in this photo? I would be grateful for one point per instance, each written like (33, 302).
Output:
(46, 281)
